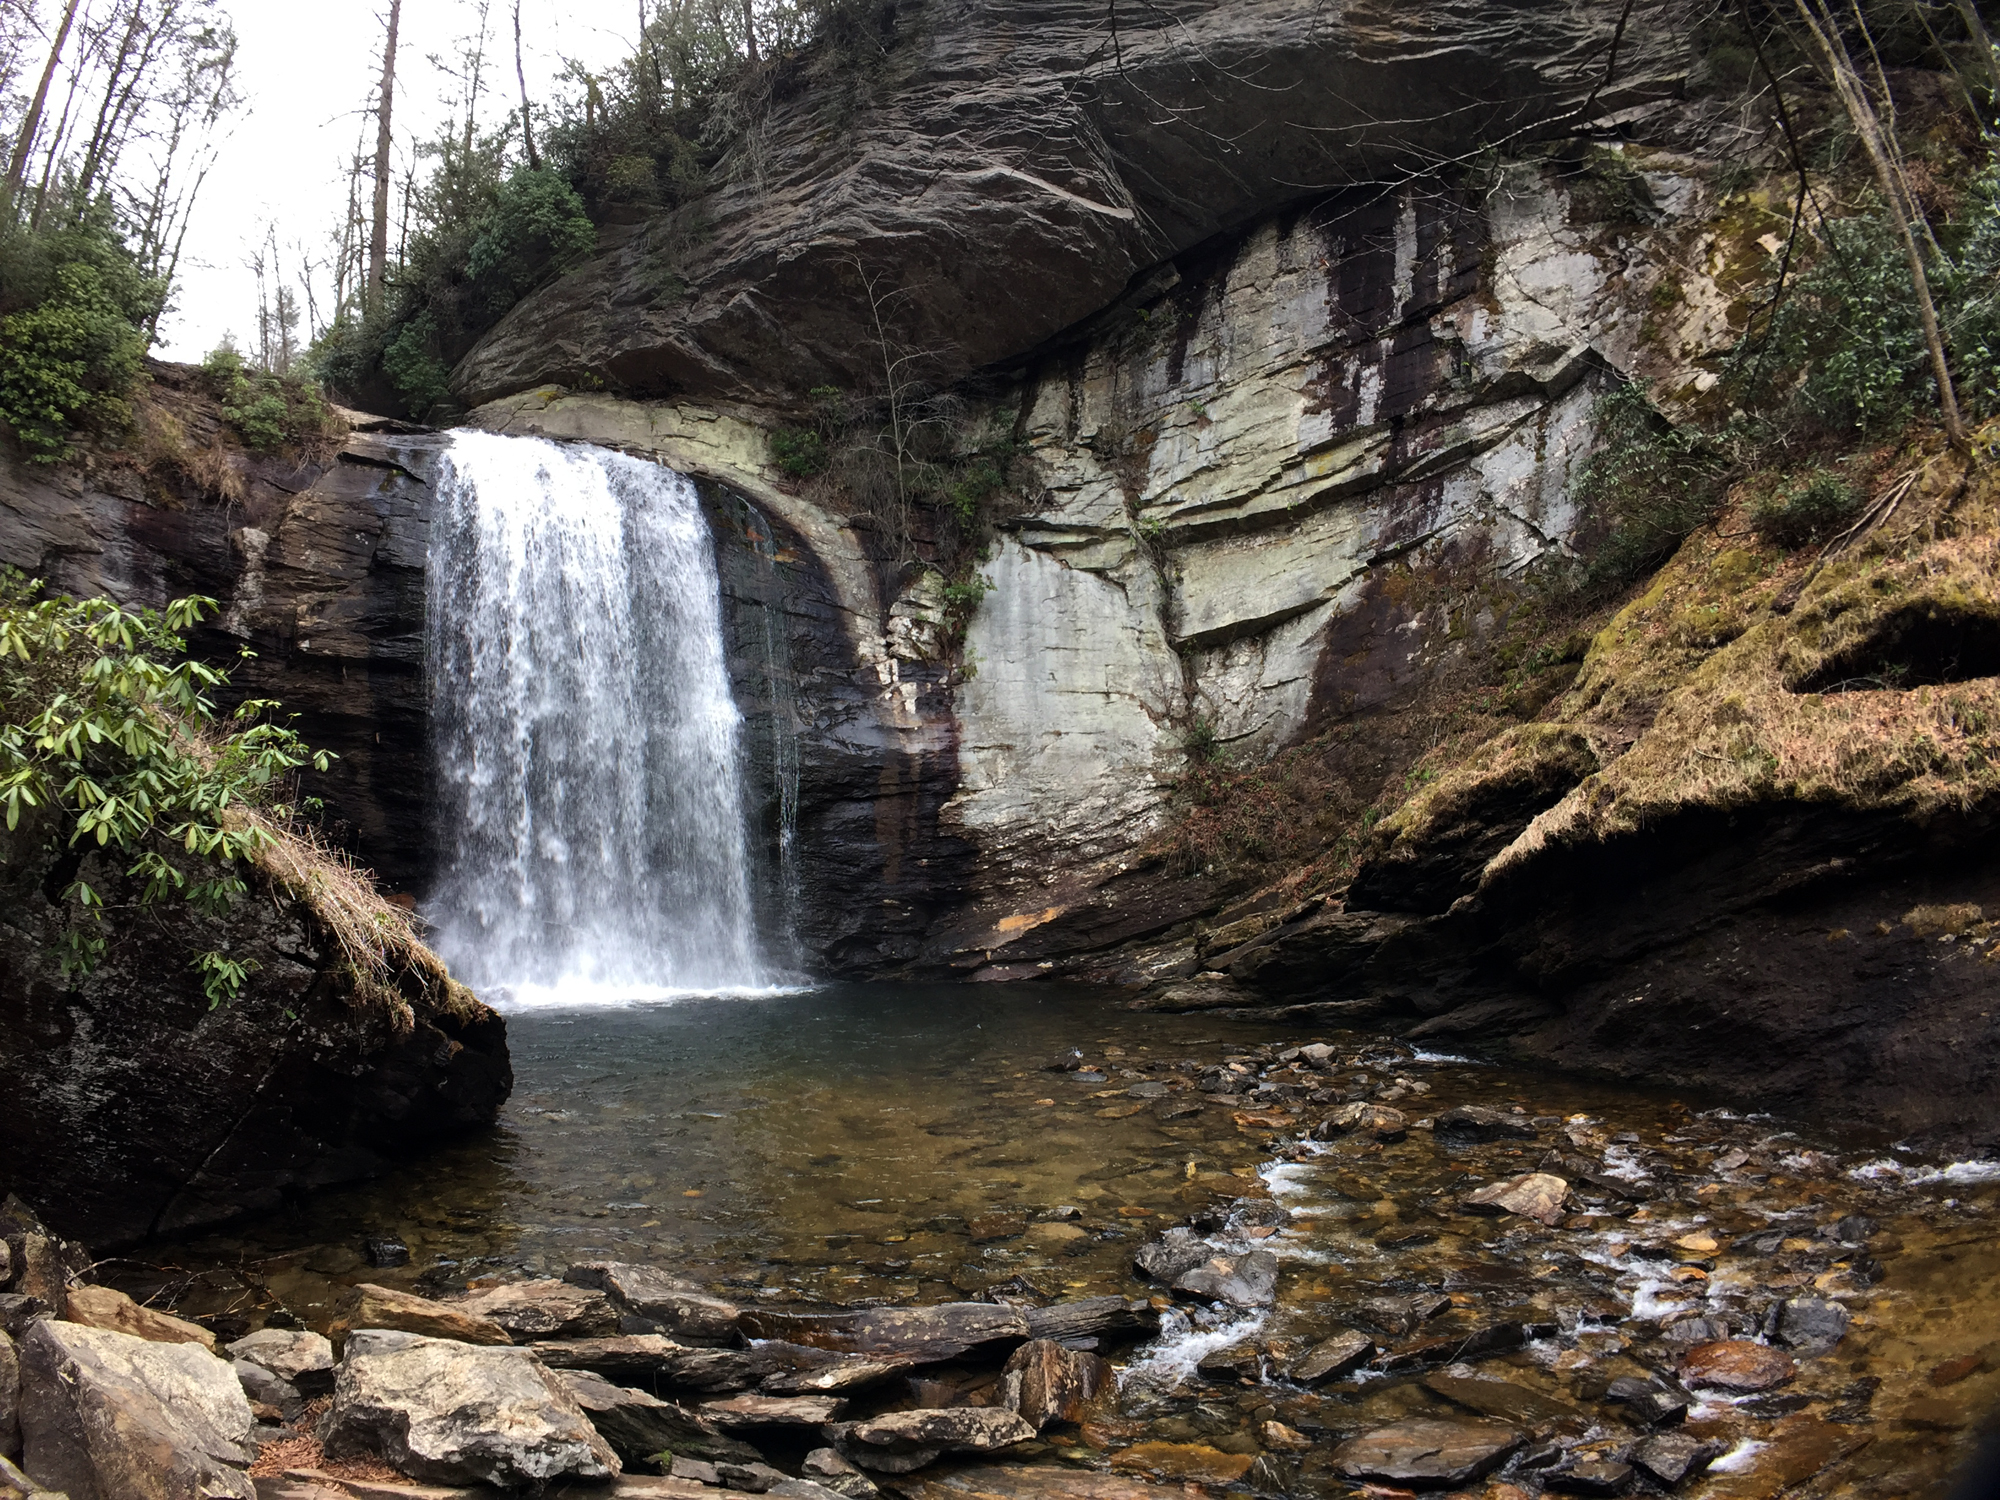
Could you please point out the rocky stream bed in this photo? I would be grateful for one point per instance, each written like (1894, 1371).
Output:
(1047, 1249)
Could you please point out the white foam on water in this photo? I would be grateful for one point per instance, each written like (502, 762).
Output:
(1738, 1460)
(1958, 1172)
(588, 745)
(1184, 1342)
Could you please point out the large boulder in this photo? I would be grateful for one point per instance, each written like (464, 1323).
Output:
(997, 174)
(137, 1107)
(298, 1356)
(106, 1416)
(453, 1413)
(640, 1426)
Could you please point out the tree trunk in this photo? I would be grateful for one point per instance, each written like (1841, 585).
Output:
(1895, 193)
(1984, 42)
(750, 32)
(521, 77)
(31, 124)
(378, 238)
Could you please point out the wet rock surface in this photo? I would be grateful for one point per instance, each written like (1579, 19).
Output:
(1676, 1315)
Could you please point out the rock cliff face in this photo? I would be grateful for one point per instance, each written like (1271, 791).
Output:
(135, 1107)
(1007, 170)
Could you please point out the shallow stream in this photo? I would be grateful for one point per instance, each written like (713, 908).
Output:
(868, 1145)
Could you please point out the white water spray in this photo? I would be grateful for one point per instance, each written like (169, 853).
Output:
(586, 740)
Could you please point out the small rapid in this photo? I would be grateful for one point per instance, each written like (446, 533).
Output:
(587, 744)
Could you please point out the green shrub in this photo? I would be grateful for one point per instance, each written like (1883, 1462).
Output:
(267, 411)
(1648, 486)
(799, 452)
(1849, 334)
(105, 723)
(67, 362)
(536, 224)
(414, 368)
(1806, 510)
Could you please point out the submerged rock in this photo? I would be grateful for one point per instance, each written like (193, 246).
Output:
(107, 1416)
(1737, 1365)
(1427, 1452)
(455, 1413)
(1477, 1123)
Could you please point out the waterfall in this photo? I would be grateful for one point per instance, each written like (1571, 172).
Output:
(587, 745)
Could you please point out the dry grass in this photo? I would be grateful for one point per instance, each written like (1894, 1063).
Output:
(302, 1450)
(385, 957)
(1713, 647)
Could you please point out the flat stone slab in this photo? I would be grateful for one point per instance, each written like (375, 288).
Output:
(1334, 1357)
(1427, 1452)
(1533, 1195)
(543, 1309)
(742, 1413)
(1737, 1365)
(403, 1312)
(941, 1332)
(1506, 1401)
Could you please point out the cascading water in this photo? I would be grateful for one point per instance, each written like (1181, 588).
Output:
(587, 743)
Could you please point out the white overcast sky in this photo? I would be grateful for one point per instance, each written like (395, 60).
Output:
(307, 69)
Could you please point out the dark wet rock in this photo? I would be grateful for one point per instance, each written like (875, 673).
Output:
(652, 1359)
(1671, 1457)
(1652, 1402)
(694, 1470)
(1233, 1362)
(1737, 1365)
(1534, 1195)
(940, 1332)
(1377, 1120)
(805, 1371)
(1812, 1324)
(17, 1313)
(1496, 1338)
(1091, 1317)
(1246, 1280)
(902, 1442)
(681, 1309)
(825, 1466)
(545, 1309)
(754, 1478)
(1591, 1172)
(1696, 1330)
(385, 1252)
(1474, 1122)
(1427, 1452)
(1506, 1401)
(106, 1416)
(1853, 1229)
(1332, 1358)
(1591, 1476)
(749, 1413)
(639, 1425)
(1177, 1251)
(1043, 1382)
(1398, 1316)
(297, 1355)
